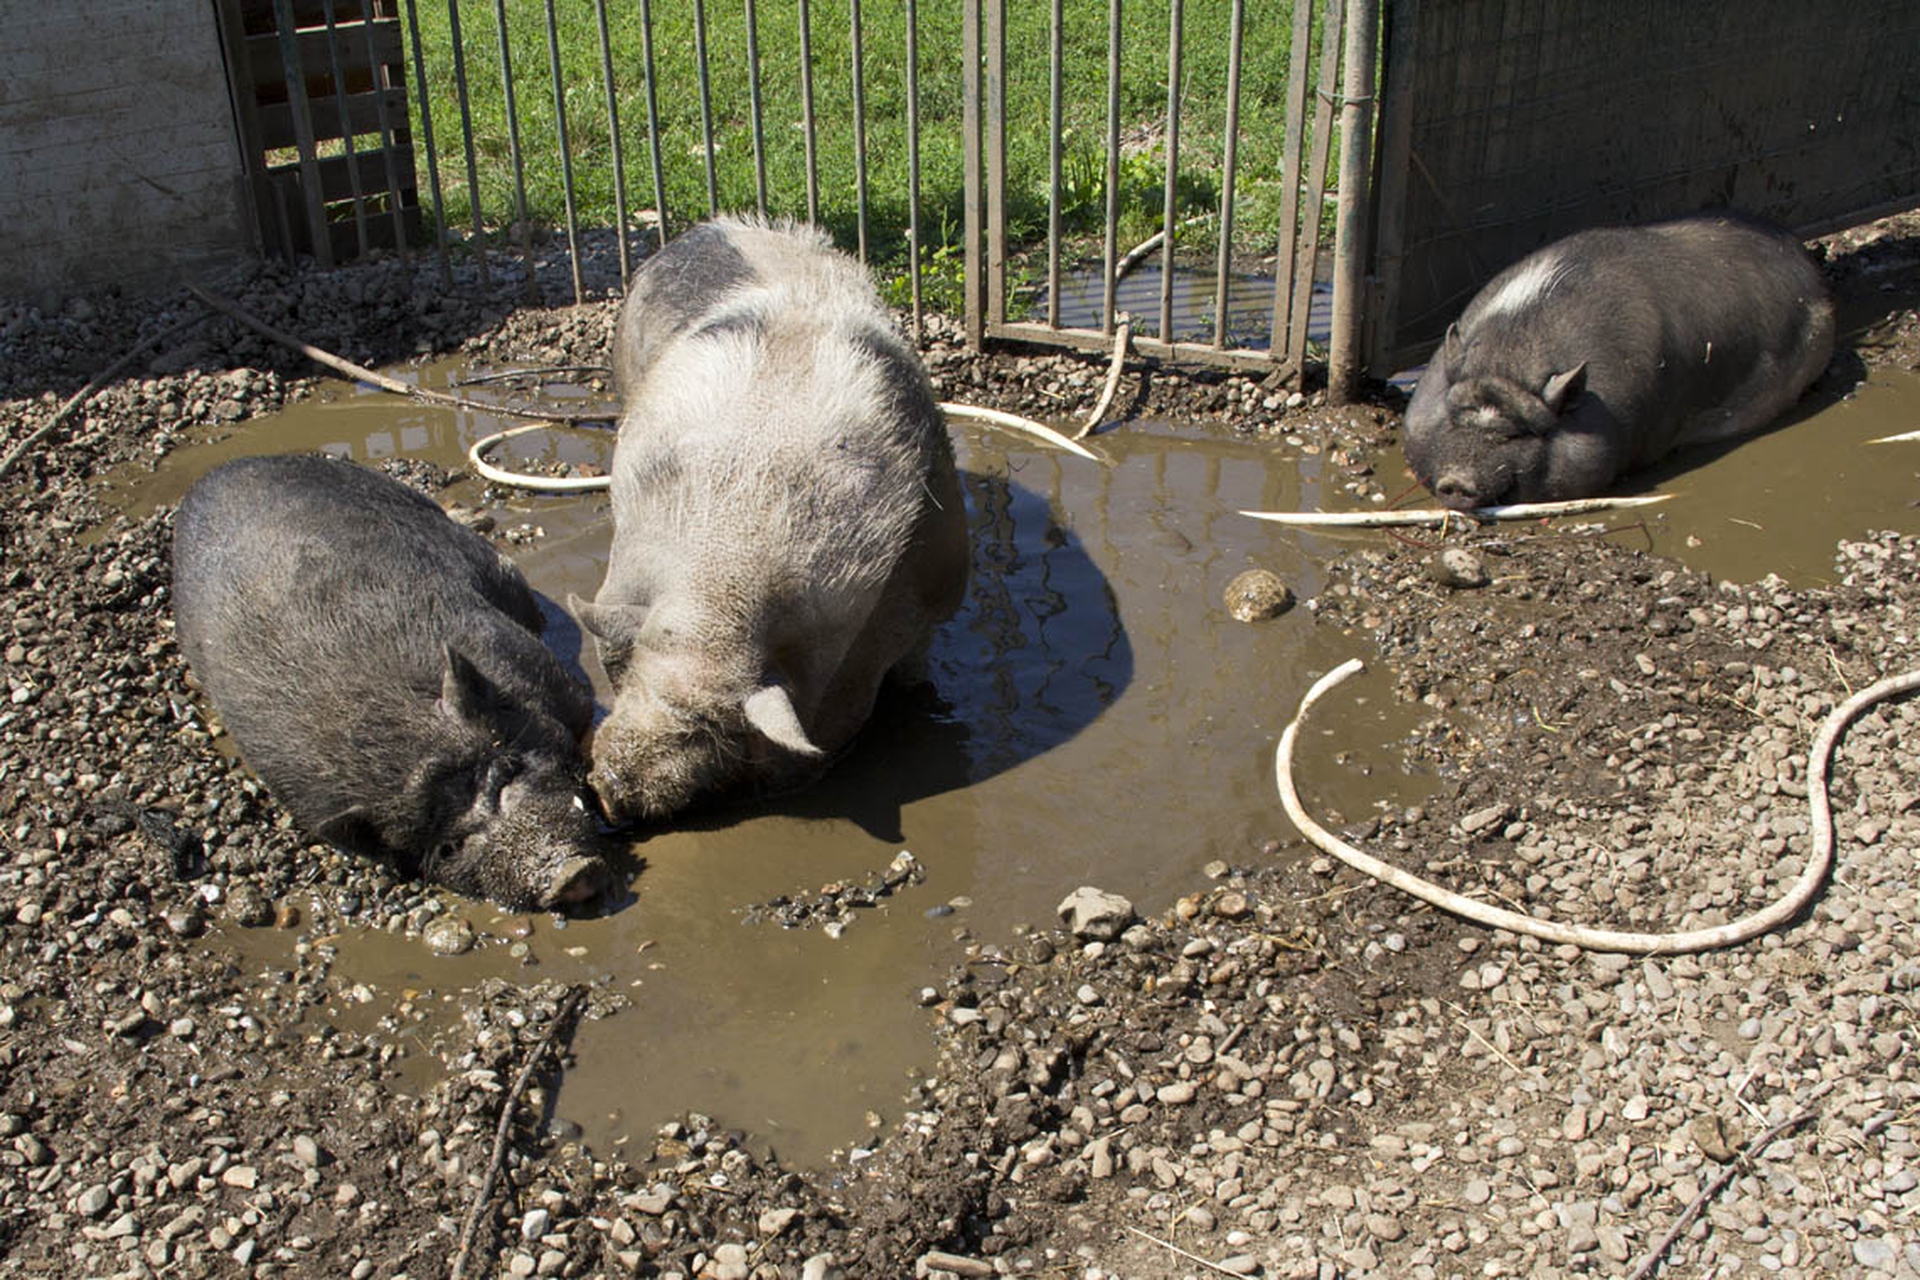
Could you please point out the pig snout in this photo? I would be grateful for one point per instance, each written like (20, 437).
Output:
(578, 880)
(1457, 492)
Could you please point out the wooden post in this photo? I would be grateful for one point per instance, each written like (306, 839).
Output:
(1351, 224)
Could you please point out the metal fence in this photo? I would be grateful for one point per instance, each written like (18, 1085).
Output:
(1216, 143)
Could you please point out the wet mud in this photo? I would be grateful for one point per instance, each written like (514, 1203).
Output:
(1095, 717)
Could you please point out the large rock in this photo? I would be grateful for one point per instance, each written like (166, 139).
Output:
(1095, 914)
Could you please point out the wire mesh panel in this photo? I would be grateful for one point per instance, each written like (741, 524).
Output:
(1513, 122)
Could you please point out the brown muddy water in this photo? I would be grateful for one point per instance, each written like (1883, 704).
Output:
(1099, 719)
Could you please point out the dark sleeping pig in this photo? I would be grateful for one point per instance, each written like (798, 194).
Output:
(1602, 352)
(381, 670)
(787, 520)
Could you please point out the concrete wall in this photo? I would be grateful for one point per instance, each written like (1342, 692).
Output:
(118, 160)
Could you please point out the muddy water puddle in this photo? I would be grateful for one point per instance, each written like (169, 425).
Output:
(1095, 718)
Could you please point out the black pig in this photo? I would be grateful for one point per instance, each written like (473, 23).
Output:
(1601, 352)
(380, 669)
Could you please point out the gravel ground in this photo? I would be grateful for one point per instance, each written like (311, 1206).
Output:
(1291, 1073)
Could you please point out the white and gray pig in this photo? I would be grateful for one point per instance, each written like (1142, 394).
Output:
(1600, 353)
(788, 526)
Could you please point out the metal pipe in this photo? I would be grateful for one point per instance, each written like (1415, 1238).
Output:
(1055, 127)
(613, 137)
(756, 125)
(705, 76)
(858, 54)
(653, 125)
(466, 137)
(433, 160)
(346, 128)
(1350, 224)
(566, 155)
(806, 111)
(1300, 47)
(1175, 12)
(1224, 269)
(970, 147)
(1111, 258)
(522, 226)
(913, 162)
(996, 161)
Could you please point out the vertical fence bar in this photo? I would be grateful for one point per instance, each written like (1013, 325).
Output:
(970, 145)
(1350, 224)
(613, 138)
(346, 128)
(377, 78)
(706, 111)
(433, 160)
(1054, 127)
(303, 132)
(1299, 48)
(996, 162)
(913, 162)
(757, 125)
(1331, 24)
(859, 56)
(566, 154)
(1172, 194)
(466, 138)
(1112, 255)
(522, 225)
(806, 111)
(653, 124)
(1223, 271)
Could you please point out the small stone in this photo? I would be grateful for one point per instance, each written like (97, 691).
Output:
(1875, 1253)
(1175, 1094)
(1256, 595)
(449, 936)
(248, 907)
(774, 1221)
(1476, 1191)
(1710, 1137)
(535, 1224)
(1458, 568)
(307, 1151)
(1384, 1226)
(521, 1264)
(1095, 914)
(94, 1201)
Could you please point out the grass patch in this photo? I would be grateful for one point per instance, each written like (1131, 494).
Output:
(777, 34)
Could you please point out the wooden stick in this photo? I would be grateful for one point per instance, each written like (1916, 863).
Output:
(93, 386)
(569, 1005)
(1121, 335)
(1651, 1262)
(1190, 1257)
(1394, 519)
(361, 373)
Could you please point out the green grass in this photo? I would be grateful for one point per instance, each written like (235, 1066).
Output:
(1142, 113)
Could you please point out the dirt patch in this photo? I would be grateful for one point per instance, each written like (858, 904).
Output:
(1291, 1073)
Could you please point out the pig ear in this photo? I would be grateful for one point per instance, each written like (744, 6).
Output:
(1563, 387)
(463, 690)
(770, 710)
(1452, 351)
(351, 829)
(614, 628)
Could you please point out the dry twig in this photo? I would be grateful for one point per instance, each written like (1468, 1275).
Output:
(94, 384)
(1174, 1248)
(360, 373)
(562, 1017)
(1651, 1262)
